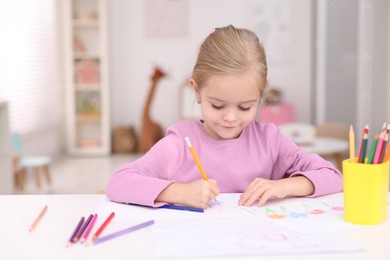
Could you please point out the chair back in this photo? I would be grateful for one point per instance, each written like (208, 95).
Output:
(17, 146)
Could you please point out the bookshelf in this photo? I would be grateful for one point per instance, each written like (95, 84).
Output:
(87, 77)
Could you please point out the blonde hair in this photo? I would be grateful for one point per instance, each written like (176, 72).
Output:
(229, 50)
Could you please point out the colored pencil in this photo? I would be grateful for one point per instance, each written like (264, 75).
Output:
(362, 146)
(38, 219)
(385, 143)
(89, 229)
(103, 226)
(178, 207)
(387, 155)
(364, 149)
(204, 175)
(373, 148)
(121, 232)
(351, 145)
(378, 148)
(80, 232)
(70, 241)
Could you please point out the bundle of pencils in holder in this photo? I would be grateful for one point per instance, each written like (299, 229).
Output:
(379, 151)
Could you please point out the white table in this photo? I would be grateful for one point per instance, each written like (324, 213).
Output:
(333, 147)
(49, 239)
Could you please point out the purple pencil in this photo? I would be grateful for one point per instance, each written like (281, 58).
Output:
(75, 232)
(82, 229)
(89, 229)
(121, 232)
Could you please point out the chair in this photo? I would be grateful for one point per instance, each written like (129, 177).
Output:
(23, 164)
(300, 133)
(334, 130)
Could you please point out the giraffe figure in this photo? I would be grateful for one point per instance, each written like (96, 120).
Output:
(151, 132)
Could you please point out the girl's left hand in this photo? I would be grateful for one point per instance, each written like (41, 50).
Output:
(262, 190)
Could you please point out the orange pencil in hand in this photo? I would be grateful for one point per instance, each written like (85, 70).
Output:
(196, 159)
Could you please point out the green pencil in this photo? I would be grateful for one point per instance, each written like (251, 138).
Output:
(373, 148)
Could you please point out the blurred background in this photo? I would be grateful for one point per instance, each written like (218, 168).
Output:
(76, 77)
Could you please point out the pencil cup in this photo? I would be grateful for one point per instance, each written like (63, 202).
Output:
(366, 188)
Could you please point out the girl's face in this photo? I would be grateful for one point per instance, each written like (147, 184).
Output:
(228, 104)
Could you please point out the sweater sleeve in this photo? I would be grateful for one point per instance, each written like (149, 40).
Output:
(141, 181)
(293, 161)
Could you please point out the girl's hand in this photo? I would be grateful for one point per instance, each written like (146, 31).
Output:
(262, 190)
(196, 194)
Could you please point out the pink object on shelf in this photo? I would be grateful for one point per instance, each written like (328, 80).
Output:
(87, 72)
(278, 114)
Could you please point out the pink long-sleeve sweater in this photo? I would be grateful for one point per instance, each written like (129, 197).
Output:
(260, 151)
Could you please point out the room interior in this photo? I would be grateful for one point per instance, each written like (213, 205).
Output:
(329, 59)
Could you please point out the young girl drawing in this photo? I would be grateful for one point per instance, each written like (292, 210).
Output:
(239, 154)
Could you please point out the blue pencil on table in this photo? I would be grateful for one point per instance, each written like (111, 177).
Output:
(178, 207)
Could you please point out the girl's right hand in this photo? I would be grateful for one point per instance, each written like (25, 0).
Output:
(196, 194)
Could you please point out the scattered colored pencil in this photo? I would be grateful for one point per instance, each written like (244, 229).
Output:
(121, 232)
(197, 161)
(70, 241)
(80, 232)
(103, 226)
(38, 219)
(89, 229)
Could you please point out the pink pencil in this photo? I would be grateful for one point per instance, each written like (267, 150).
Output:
(89, 229)
(378, 149)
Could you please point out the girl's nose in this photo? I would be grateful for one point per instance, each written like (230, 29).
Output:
(229, 116)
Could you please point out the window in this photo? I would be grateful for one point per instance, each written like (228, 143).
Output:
(29, 63)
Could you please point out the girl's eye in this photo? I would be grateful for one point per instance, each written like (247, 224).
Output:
(216, 107)
(244, 108)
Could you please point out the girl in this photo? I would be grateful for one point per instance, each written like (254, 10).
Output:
(239, 154)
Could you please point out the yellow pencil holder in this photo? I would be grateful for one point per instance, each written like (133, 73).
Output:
(366, 188)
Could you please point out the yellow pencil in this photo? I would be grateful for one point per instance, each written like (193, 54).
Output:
(351, 145)
(36, 221)
(196, 158)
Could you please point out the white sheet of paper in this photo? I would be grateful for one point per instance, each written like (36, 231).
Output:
(234, 236)
(306, 215)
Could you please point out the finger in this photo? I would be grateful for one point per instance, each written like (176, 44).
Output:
(264, 198)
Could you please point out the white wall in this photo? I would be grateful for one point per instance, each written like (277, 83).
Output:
(133, 56)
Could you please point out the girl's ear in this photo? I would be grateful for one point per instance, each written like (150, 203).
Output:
(195, 88)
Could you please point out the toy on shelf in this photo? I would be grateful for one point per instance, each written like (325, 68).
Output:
(87, 72)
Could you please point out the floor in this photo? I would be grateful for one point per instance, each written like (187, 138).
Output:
(72, 175)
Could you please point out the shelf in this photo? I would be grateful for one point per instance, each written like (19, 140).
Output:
(87, 77)
(87, 87)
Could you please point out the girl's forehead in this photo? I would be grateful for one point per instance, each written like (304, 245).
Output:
(232, 88)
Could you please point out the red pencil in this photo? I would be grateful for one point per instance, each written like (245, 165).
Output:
(103, 226)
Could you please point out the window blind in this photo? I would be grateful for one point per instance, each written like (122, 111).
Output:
(29, 64)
